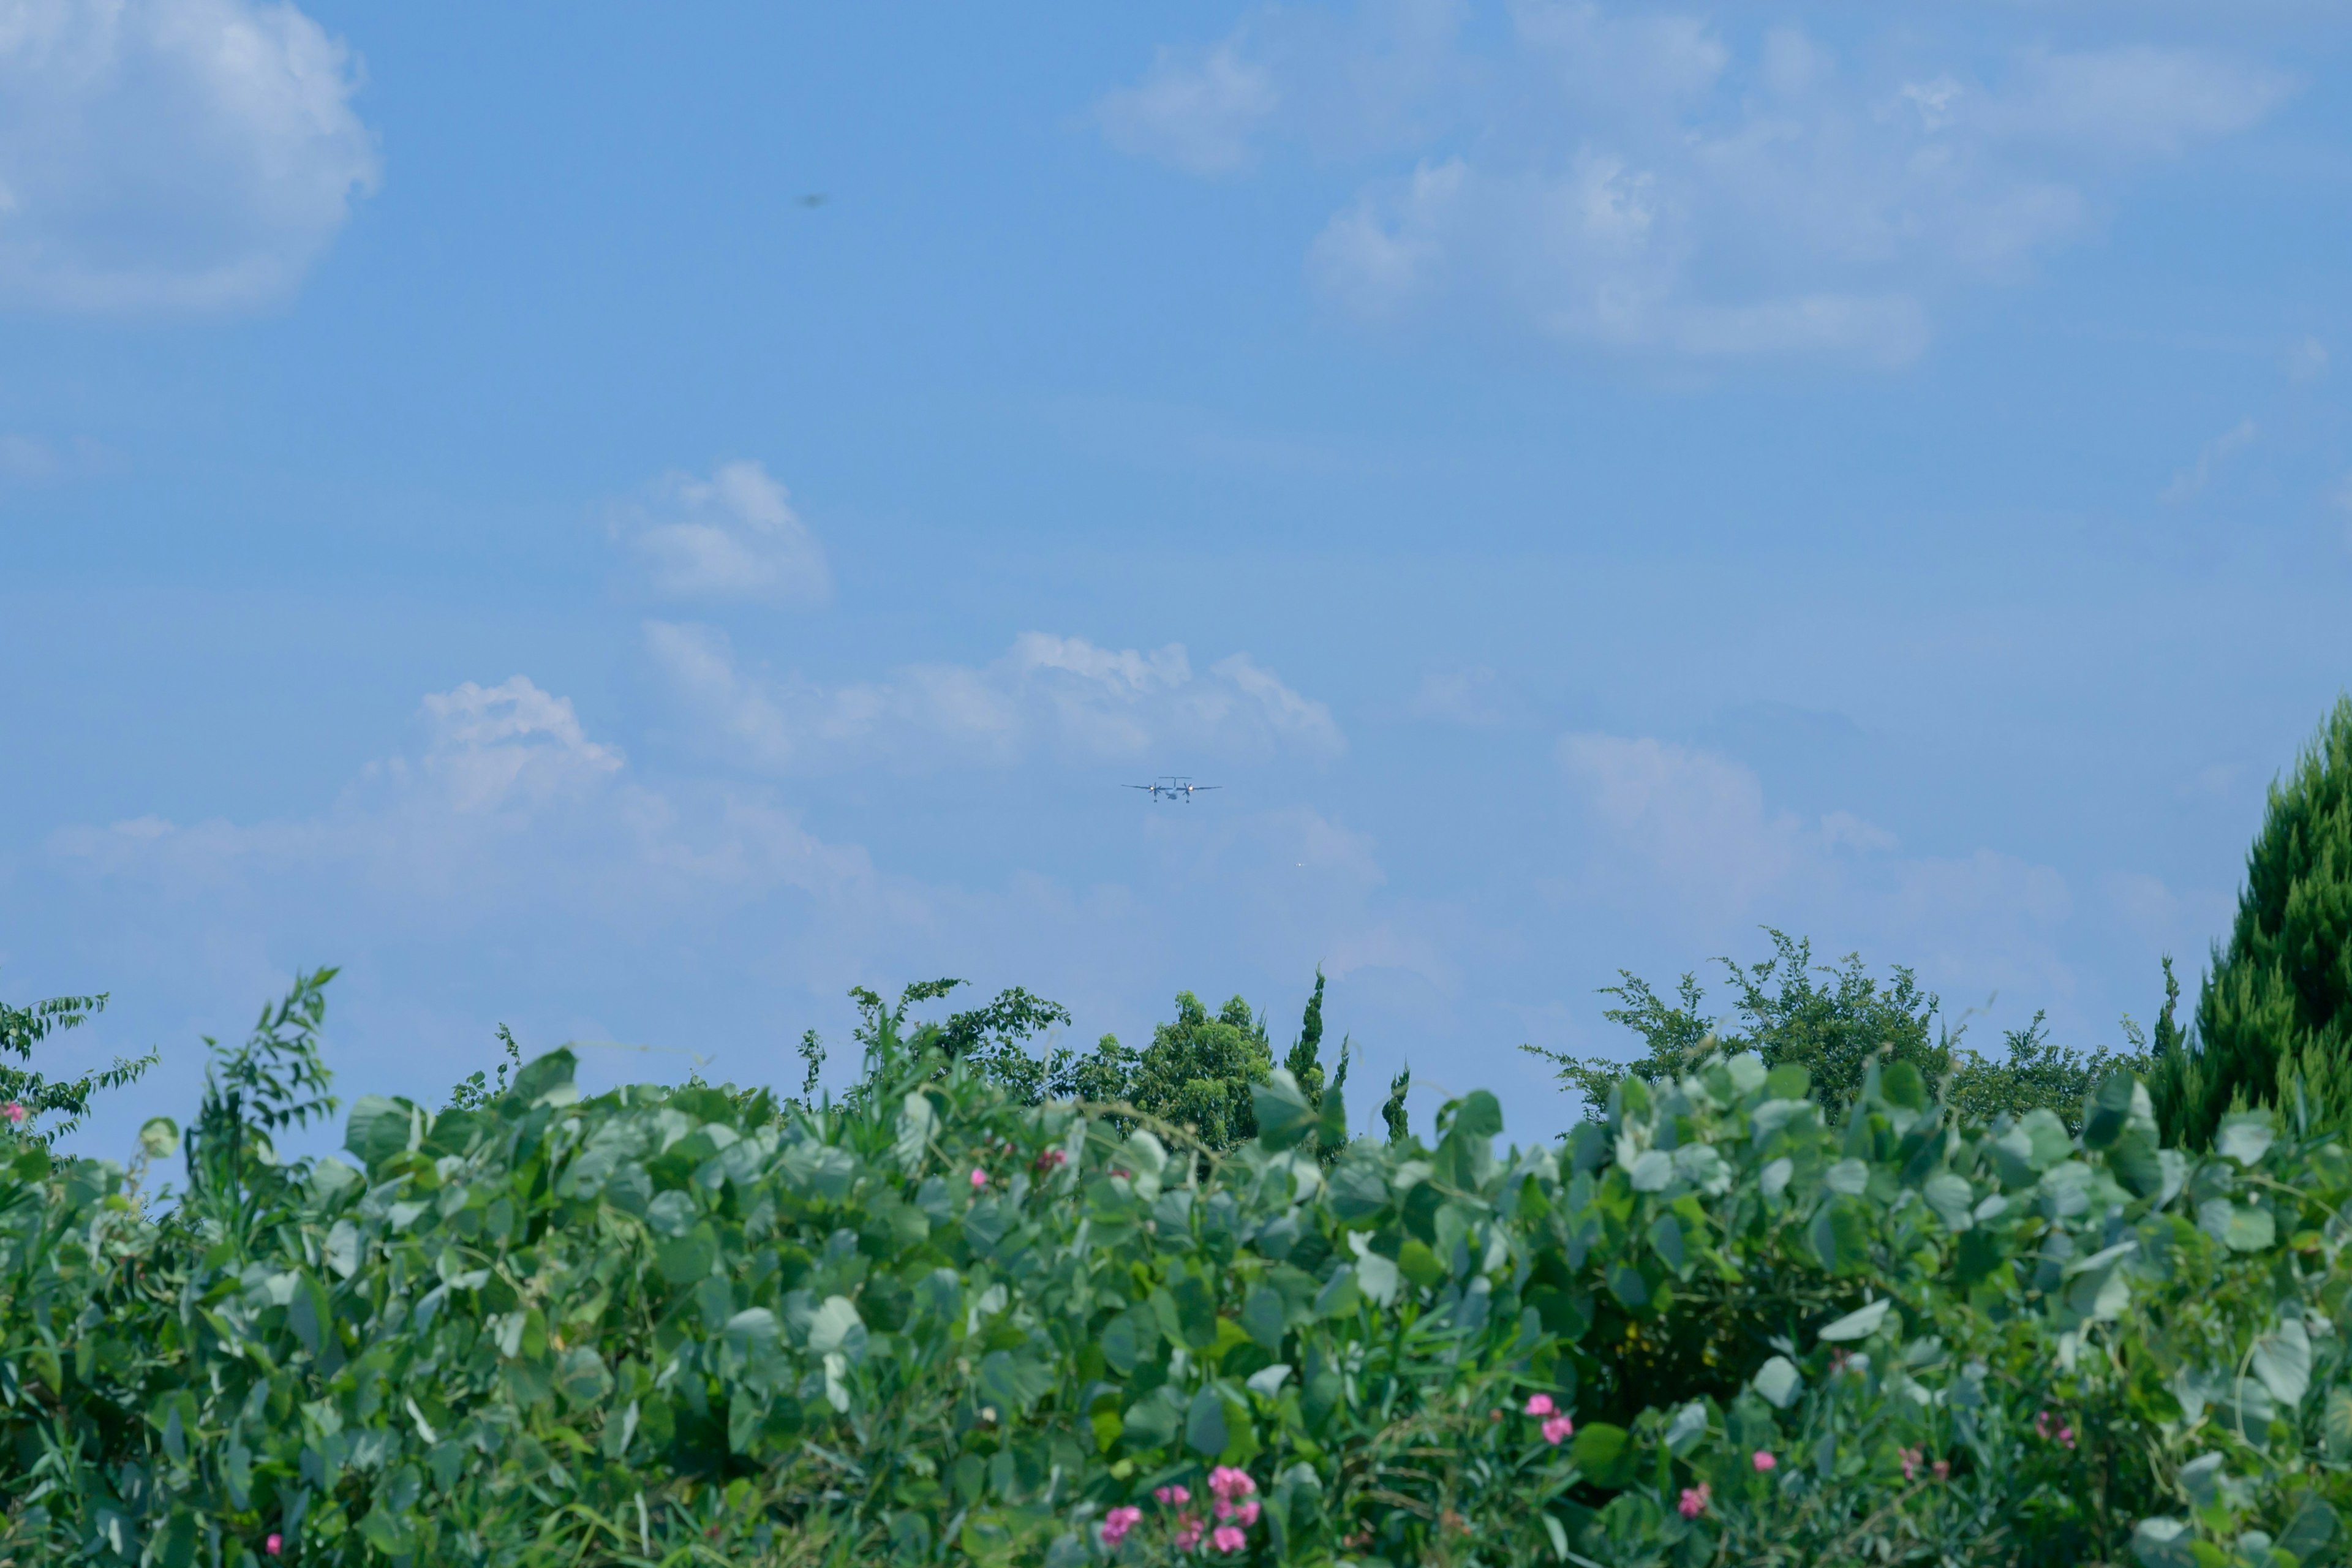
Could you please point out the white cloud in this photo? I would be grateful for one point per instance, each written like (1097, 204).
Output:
(171, 155)
(1473, 696)
(1195, 114)
(2191, 482)
(2307, 360)
(1686, 837)
(2135, 100)
(1695, 819)
(732, 536)
(1637, 182)
(508, 804)
(1061, 696)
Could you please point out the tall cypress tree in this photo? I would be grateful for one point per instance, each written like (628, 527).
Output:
(2274, 1018)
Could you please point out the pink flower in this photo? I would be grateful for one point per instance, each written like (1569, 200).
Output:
(1910, 1457)
(2066, 1435)
(1228, 1538)
(1229, 1482)
(276, 1543)
(1539, 1405)
(1694, 1500)
(1249, 1513)
(1557, 1427)
(1222, 1509)
(1118, 1522)
(1764, 1459)
(13, 1111)
(1942, 1469)
(979, 1178)
(1188, 1534)
(1173, 1497)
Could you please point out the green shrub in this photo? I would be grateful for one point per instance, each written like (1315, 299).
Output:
(937, 1324)
(2274, 1018)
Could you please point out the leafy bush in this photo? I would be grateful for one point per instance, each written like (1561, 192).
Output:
(935, 1322)
(34, 1105)
(1837, 1031)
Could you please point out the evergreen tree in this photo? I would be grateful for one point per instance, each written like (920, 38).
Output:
(1306, 1058)
(1392, 1113)
(2274, 1017)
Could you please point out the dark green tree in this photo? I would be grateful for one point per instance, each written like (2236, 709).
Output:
(1198, 1070)
(2274, 1017)
(33, 1105)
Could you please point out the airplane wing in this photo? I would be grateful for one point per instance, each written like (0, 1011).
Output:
(1198, 788)
(1139, 786)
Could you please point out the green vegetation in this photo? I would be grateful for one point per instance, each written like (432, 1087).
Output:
(936, 1322)
(2274, 1018)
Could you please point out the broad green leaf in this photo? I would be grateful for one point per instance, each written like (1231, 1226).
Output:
(2282, 1359)
(1952, 1198)
(1779, 1382)
(1858, 1324)
(2244, 1136)
(1013, 1384)
(836, 1327)
(378, 1128)
(159, 1138)
(1283, 1117)
(1604, 1453)
(1204, 1424)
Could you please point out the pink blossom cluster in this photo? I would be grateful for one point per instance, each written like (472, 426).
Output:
(1556, 1424)
(1233, 1509)
(1695, 1501)
(15, 1113)
(1119, 1521)
(1915, 1459)
(1764, 1460)
(1052, 1159)
(2060, 1432)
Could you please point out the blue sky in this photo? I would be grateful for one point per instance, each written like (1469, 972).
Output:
(628, 525)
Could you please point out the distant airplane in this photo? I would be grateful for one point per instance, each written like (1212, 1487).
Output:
(1174, 786)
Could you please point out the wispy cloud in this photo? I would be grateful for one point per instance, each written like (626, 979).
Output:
(1057, 696)
(2191, 481)
(1193, 113)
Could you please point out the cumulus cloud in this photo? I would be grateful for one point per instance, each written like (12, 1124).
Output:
(1638, 183)
(171, 155)
(1060, 696)
(733, 535)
